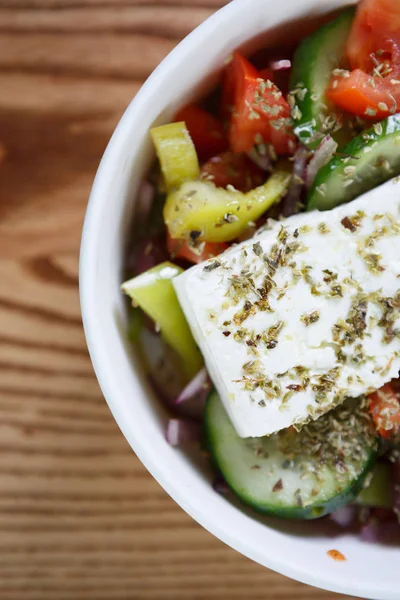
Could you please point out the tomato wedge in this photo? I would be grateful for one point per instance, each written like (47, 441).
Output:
(365, 96)
(206, 131)
(375, 36)
(237, 170)
(384, 405)
(372, 89)
(259, 113)
(181, 249)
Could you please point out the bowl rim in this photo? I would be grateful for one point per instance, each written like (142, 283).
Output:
(269, 559)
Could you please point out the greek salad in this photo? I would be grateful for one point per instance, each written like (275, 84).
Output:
(264, 275)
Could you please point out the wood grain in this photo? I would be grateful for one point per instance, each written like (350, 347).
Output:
(80, 518)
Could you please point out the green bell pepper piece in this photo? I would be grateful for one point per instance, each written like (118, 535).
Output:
(154, 293)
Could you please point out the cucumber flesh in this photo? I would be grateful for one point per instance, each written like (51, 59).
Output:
(368, 160)
(280, 475)
(378, 493)
(313, 62)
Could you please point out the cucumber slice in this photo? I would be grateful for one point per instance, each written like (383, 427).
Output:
(370, 159)
(378, 494)
(287, 474)
(313, 62)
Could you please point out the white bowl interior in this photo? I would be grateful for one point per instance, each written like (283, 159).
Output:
(296, 549)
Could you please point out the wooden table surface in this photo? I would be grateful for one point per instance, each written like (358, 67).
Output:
(80, 518)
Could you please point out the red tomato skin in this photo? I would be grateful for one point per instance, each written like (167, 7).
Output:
(181, 249)
(372, 89)
(376, 28)
(384, 406)
(238, 66)
(267, 74)
(206, 131)
(233, 169)
(355, 94)
(258, 110)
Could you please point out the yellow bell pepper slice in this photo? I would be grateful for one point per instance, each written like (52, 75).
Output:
(176, 153)
(199, 209)
(154, 293)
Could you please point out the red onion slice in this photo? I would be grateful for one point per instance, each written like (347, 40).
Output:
(280, 65)
(182, 431)
(196, 386)
(345, 516)
(191, 401)
(322, 156)
(290, 203)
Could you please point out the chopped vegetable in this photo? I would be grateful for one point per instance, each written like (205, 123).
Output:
(313, 63)
(206, 131)
(321, 157)
(280, 65)
(375, 35)
(336, 555)
(182, 431)
(259, 113)
(219, 215)
(197, 385)
(154, 293)
(228, 91)
(291, 203)
(176, 153)
(385, 409)
(265, 153)
(292, 474)
(372, 89)
(368, 160)
(194, 251)
(235, 170)
(368, 97)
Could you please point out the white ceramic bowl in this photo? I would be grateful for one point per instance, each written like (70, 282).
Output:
(296, 550)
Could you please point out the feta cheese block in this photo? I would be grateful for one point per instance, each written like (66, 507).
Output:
(303, 315)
